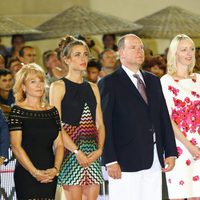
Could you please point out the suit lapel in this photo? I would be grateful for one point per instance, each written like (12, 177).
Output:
(128, 84)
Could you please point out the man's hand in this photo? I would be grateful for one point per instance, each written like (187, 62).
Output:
(169, 164)
(114, 171)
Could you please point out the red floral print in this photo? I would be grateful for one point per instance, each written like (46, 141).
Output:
(181, 182)
(195, 178)
(186, 115)
(194, 80)
(179, 150)
(193, 141)
(173, 90)
(188, 162)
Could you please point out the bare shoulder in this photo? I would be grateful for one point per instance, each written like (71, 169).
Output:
(49, 107)
(57, 84)
(95, 90)
(57, 90)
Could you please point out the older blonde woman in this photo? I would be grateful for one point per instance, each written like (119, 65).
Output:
(35, 137)
(181, 89)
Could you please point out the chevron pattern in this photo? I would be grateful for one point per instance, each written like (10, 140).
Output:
(85, 136)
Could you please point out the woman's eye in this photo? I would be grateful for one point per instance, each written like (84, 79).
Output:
(86, 54)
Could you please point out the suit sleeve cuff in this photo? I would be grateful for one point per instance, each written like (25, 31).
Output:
(111, 163)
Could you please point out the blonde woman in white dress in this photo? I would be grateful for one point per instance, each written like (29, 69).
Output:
(181, 89)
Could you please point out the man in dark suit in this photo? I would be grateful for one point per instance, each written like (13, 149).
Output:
(139, 136)
(4, 139)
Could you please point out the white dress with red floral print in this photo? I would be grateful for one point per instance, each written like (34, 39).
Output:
(183, 102)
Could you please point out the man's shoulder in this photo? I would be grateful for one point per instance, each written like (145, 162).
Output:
(151, 76)
(111, 77)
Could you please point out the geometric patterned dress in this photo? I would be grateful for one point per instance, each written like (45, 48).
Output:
(78, 114)
(183, 101)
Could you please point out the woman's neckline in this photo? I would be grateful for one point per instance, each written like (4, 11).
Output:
(74, 81)
(192, 78)
(32, 110)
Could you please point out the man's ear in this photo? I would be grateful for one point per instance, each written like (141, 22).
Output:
(121, 53)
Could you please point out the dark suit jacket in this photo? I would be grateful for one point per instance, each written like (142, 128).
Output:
(4, 136)
(130, 122)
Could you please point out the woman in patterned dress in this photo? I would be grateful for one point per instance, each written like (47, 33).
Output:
(78, 103)
(181, 88)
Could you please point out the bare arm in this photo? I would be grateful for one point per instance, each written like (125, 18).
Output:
(194, 150)
(22, 157)
(56, 94)
(59, 153)
(5, 108)
(100, 125)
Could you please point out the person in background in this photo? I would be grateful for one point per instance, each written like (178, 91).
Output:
(93, 71)
(14, 65)
(2, 62)
(181, 90)
(108, 62)
(197, 58)
(109, 41)
(27, 55)
(3, 50)
(156, 66)
(79, 106)
(35, 136)
(17, 42)
(6, 92)
(139, 137)
(94, 50)
(54, 67)
(4, 139)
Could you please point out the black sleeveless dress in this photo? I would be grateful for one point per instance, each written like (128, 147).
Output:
(78, 120)
(39, 130)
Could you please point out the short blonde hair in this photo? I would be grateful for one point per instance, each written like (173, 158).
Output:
(22, 75)
(171, 56)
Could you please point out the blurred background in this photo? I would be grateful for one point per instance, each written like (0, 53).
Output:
(33, 13)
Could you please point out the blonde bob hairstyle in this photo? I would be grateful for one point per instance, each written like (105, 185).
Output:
(26, 72)
(171, 56)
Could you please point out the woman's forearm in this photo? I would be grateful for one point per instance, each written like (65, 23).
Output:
(68, 143)
(59, 153)
(24, 160)
(179, 135)
(101, 135)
